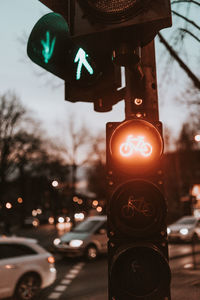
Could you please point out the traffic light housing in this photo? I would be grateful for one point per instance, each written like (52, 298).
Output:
(136, 208)
(89, 75)
(49, 43)
(82, 40)
(133, 22)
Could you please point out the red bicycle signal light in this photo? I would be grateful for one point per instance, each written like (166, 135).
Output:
(135, 144)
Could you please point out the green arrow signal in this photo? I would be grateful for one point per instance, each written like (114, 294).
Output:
(48, 47)
(81, 59)
(49, 43)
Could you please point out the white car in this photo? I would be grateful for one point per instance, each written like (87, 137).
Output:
(25, 268)
(185, 229)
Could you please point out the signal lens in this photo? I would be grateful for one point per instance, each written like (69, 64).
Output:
(137, 208)
(140, 272)
(136, 145)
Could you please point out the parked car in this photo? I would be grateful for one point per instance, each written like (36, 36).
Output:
(25, 268)
(89, 238)
(185, 229)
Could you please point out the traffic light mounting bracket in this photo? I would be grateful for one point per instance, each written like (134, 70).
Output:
(141, 99)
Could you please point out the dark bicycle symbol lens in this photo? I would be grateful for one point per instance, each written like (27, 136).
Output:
(138, 205)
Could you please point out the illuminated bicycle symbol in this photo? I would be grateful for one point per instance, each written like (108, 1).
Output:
(136, 205)
(135, 144)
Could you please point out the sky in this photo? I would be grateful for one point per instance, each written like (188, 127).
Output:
(44, 94)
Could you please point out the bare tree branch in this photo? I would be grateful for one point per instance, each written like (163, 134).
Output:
(190, 33)
(186, 19)
(173, 53)
(185, 1)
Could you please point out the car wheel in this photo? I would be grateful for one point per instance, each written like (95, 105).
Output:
(28, 287)
(91, 252)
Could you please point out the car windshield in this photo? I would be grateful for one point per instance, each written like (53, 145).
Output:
(86, 226)
(186, 221)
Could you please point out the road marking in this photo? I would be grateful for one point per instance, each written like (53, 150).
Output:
(54, 295)
(70, 276)
(75, 271)
(59, 289)
(66, 281)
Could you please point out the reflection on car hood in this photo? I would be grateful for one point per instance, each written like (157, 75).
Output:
(180, 226)
(74, 236)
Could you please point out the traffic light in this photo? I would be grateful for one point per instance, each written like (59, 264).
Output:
(49, 43)
(81, 41)
(137, 248)
(51, 47)
(89, 74)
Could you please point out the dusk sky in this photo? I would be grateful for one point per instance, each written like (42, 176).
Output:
(45, 94)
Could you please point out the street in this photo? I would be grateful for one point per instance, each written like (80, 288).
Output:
(79, 279)
(82, 280)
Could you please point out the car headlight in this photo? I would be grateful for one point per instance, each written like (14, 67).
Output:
(75, 243)
(184, 231)
(168, 230)
(56, 242)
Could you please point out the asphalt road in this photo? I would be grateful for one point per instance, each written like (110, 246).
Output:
(81, 280)
(78, 280)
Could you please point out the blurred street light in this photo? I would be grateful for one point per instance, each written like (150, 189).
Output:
(54, 183)
(95, 203)
(19, 200)
(79, 216)
(197, 137)
(39, 211)
(34, 212)
(99, 209)
(51, 220)
(8, 205)
(61, 220)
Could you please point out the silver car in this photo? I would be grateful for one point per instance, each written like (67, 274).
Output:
(185, 229)
(88, 239)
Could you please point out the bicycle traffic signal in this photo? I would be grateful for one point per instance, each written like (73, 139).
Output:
(137, 247)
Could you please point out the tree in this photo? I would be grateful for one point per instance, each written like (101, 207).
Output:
(97, 171)
(75, 150)
(183, 11)
(12, 115)
(28, 163)
(182, 171)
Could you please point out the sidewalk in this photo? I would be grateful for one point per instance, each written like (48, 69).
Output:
(185, 284)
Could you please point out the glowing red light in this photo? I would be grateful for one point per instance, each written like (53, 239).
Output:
(135, 144)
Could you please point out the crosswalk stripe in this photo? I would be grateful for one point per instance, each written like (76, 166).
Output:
(60, 288)
(54, 295)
